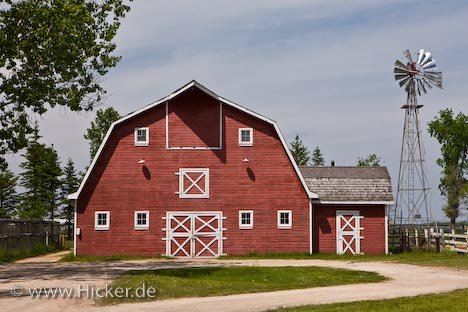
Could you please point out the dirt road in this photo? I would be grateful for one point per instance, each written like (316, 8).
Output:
(405, 280)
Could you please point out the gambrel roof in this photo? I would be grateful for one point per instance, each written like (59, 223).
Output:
(350, 185)
(191, 84)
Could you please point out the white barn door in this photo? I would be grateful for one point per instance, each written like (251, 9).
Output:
(348, 232)
(194, 234)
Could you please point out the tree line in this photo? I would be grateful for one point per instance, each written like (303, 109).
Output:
(302, 156)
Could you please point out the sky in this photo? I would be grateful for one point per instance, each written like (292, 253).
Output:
(322, 69)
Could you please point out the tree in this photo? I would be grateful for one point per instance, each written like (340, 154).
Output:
(300, 152)
(53, 52)
(317, 157)
(96, 133)
(41, 180)
(372, 160)
(70, 184)
(8, 196)
(452, 133)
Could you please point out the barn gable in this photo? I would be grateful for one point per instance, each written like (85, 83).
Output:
(205, 142)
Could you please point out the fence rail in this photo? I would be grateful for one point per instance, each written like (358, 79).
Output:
(430, 239)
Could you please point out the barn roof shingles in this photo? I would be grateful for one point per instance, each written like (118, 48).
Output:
(349, 184)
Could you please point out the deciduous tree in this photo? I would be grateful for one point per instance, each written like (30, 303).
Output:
(98, 129)
(452, 133)
(53, 53)
(372, 160)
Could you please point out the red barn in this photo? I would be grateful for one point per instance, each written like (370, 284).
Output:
(196, 175)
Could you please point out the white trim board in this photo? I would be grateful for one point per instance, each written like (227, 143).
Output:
(354, 202)
(191, 84)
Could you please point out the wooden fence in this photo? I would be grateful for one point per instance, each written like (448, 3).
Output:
(430, 239)
(24, 234)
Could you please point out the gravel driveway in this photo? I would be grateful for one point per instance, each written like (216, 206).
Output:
(405, 280)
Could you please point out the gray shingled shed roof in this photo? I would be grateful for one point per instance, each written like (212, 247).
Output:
(349, 184)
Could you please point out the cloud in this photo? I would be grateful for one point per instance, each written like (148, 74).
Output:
(322, 69)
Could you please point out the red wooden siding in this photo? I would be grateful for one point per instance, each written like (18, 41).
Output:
(120, 185)
(324, 234)
(194, 121)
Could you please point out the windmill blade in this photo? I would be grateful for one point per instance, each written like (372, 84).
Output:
(407, 54)
(427, 84)
(404, 81)
(427, 58)
(430, 64)
(421, 86)
(400, 66)
(420, 55)
(398, 70)
(400, 77)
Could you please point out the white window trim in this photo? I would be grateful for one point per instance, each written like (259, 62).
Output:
(246, 226)
(182, 188)
(141, 226)
(101, 227)
(249, 143)
(135, 136)
(284, 226)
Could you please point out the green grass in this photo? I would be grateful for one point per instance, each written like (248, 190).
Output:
(13, 255)
(216, 281)
(427, 258)
(456, 301)
(71, 258)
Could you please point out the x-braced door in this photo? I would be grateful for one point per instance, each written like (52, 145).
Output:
(194, 234)
(348, 232)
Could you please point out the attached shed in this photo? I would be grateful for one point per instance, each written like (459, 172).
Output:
(350, 215)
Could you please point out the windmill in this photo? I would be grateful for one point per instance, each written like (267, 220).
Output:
(417, 76)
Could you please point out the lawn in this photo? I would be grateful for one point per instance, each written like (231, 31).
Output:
(456, 301)
(13, 255)
(216, 281)
(427, 258)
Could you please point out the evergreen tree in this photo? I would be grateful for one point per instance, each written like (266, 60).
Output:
(317, 157)
(41, 180)
(300, 152)
(8, 196)
(370, 161)
(96, 133)
(70, 184)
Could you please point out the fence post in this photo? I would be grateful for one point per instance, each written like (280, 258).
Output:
(426, 238)
(416, 238)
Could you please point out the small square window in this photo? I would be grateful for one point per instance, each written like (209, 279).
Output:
(284, 219)
(245, 137)
(141, 136)
(102, 220)
(194, 183)
(141, 220)
(245, 219)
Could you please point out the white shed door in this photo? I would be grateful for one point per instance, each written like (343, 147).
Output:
(194, 234)
(348, 232)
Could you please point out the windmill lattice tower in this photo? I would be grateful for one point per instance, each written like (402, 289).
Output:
(412, 206)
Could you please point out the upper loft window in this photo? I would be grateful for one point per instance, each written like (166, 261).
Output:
(194, 183)
(141, 136)
(245, 137)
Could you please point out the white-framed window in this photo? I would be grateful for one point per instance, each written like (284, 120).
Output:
(194, 183)
(284, 219)
(141, 220)
(141, 136)
(101, 220)
(245, 137)
(246, 219)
